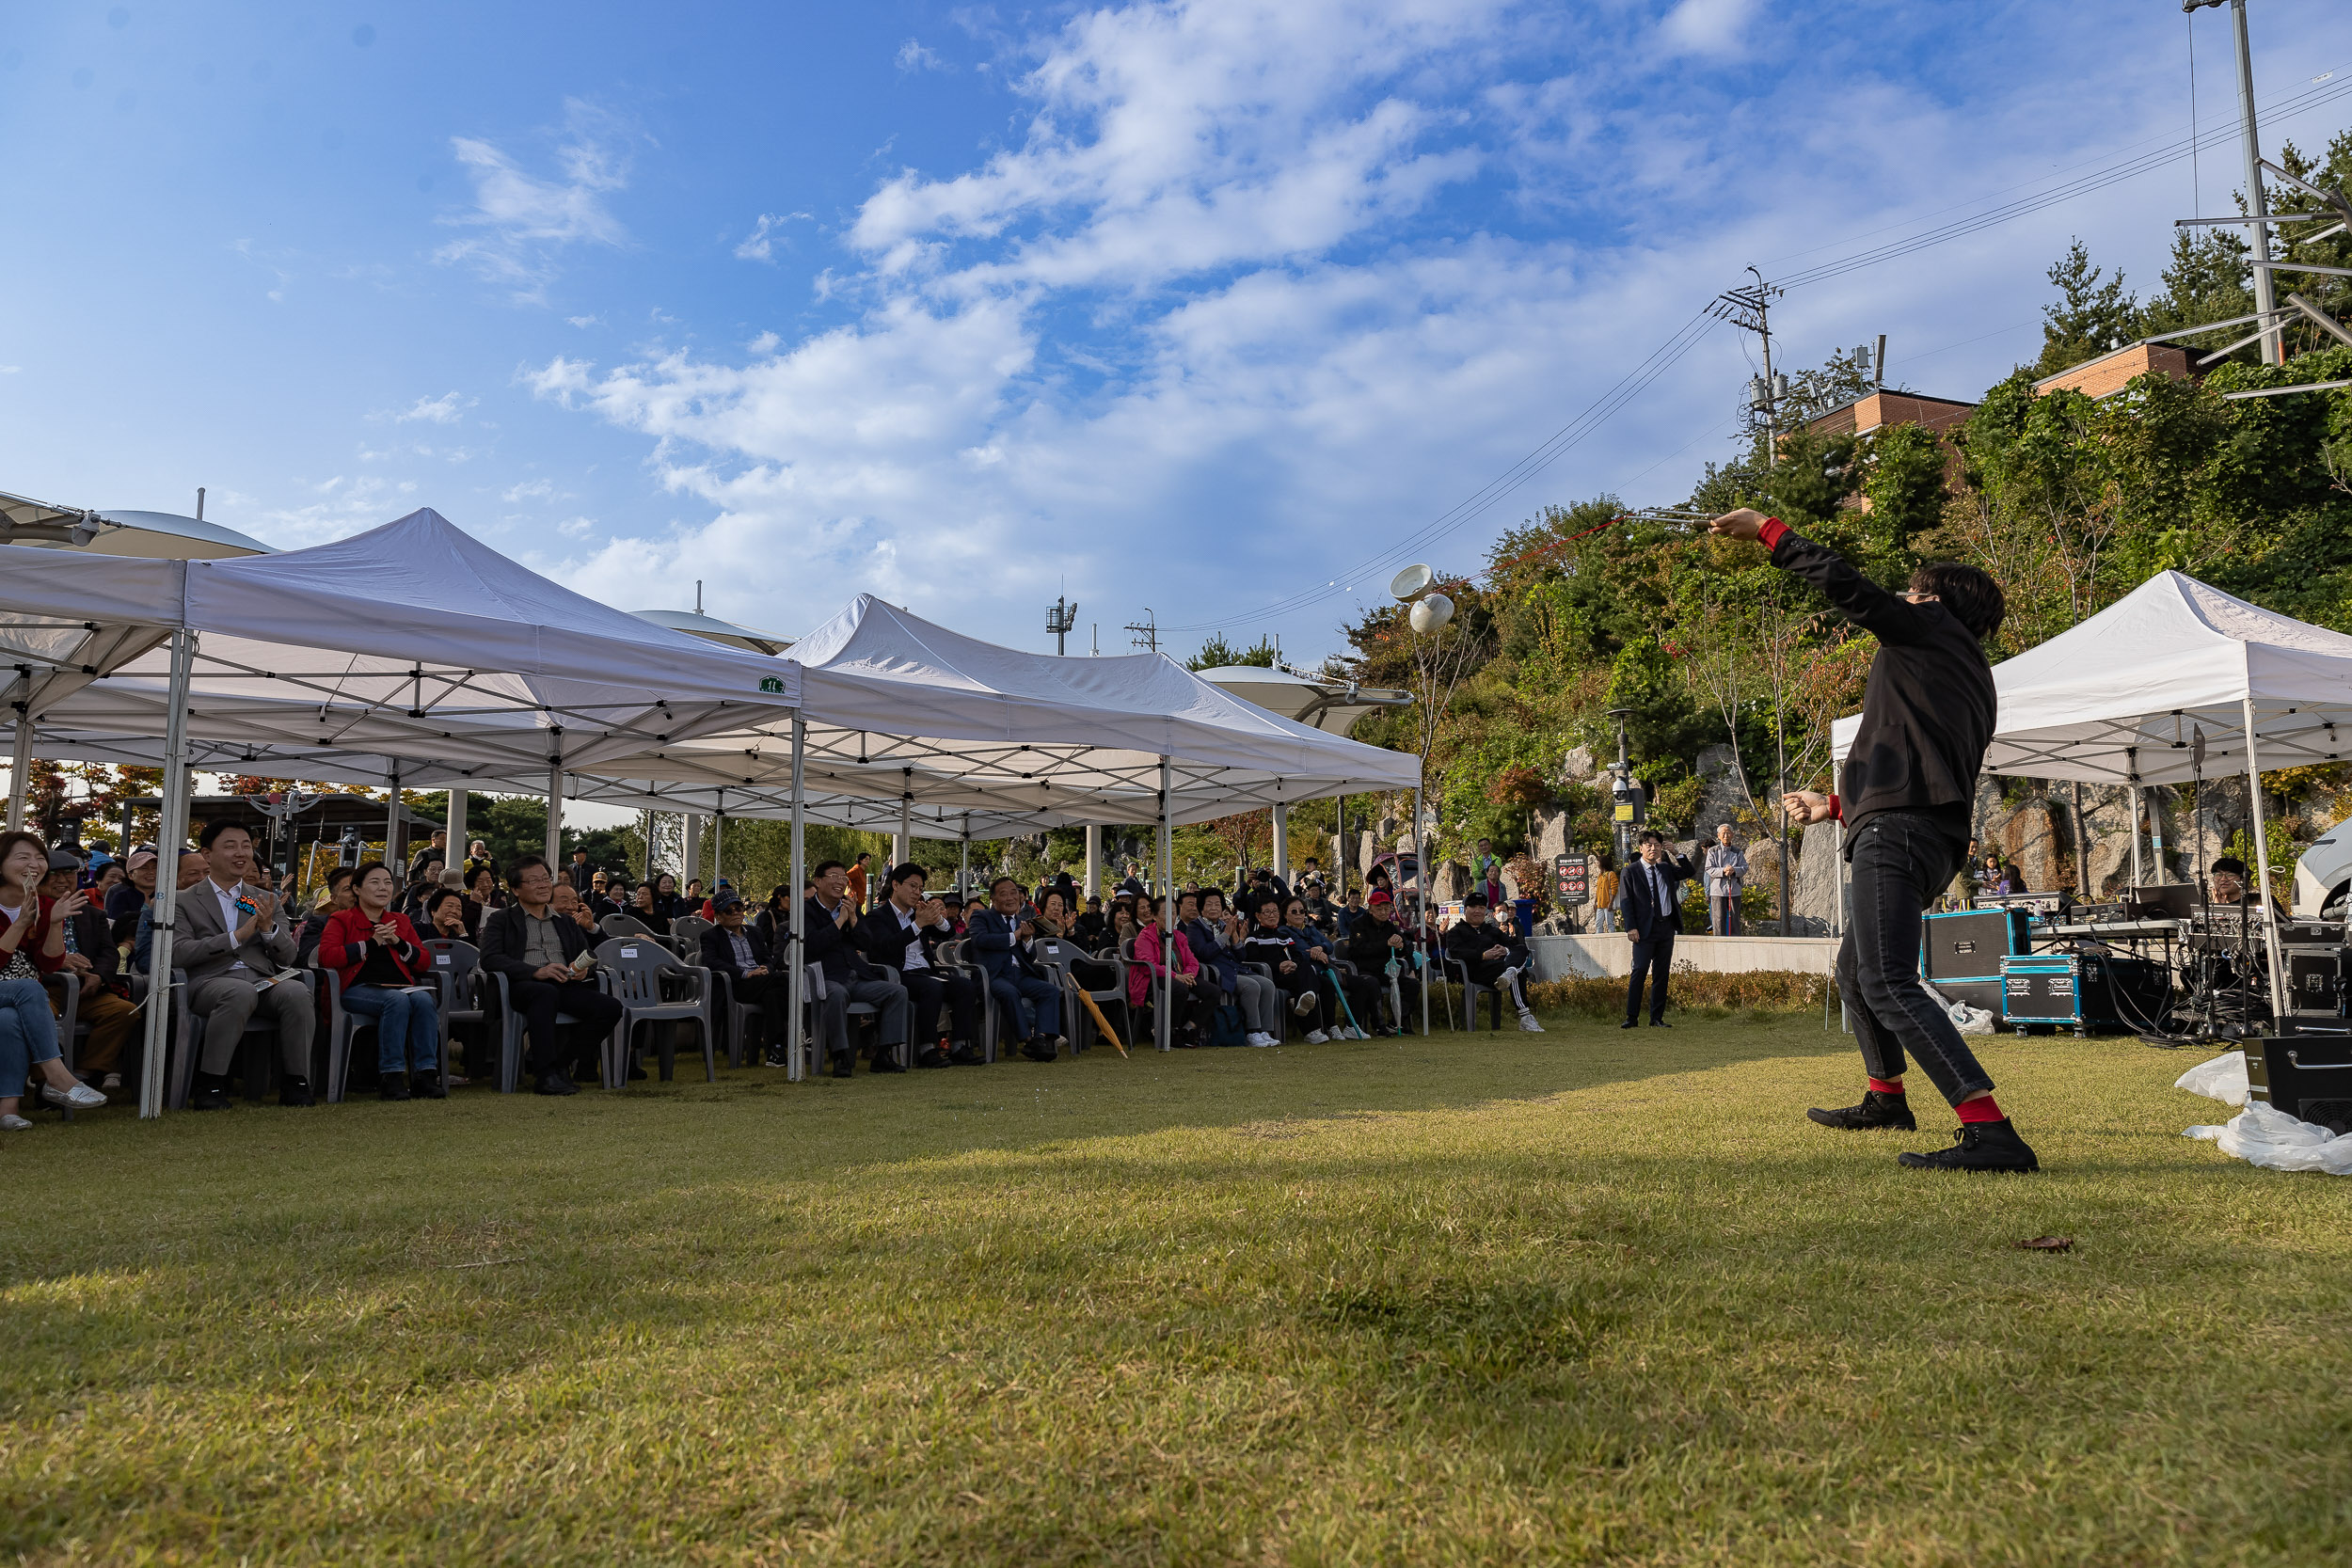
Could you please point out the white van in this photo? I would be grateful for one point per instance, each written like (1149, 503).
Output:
(2323, 875)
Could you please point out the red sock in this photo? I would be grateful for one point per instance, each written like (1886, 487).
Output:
(1880, 1085)
(1980, 1109)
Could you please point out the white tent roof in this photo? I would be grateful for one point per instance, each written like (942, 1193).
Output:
(152, 536)
(1331, 707)
(2120, 698)
(410, 641)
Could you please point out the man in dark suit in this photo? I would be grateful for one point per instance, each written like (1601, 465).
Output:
(830, 921)
(1029, 999)
(539, 952)
(903, 931)
(740, 953)
(1649, 909)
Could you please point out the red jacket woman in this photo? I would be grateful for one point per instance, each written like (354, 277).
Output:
(1147, 968)
(344, 945)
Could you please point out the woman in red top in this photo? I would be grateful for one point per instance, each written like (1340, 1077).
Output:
(375, 951)
(1186, 1005)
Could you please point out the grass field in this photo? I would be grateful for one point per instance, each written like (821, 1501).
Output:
(1592, 1296)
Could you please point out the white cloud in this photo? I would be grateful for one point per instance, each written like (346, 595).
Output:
(1709, 26)
(760, 243)
(530, 489)
(522, 220)
(446, 409)
(914, 56)
(585, 320)
(10, 369)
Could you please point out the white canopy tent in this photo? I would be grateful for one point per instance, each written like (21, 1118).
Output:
(410, 641)
(2125, 697)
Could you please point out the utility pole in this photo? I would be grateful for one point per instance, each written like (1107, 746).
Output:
(1147, 631)
(2257, 204)
(1060, 618)
(1749, 308)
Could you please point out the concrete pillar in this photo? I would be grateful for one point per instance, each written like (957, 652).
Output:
(691, 866)
(1094, 859)
(1282, 842)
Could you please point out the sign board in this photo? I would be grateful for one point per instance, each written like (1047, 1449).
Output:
(1572, 878)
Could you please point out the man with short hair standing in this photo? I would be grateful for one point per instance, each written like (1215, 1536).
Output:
(1649, 907)
(238, 953)
(1726, 871)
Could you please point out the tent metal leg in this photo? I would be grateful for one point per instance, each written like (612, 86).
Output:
(1424, 914)
(171, 834)
(1094, 859)
(2261, 866)
(21, 760)
(1160, 1033)
(453, 819)
(691, 849)
(1283, 842)
(797, 970)
(554, 851)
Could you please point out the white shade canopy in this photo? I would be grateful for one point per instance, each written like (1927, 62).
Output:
(410, 642)
(2121, 698)
(1331, 707)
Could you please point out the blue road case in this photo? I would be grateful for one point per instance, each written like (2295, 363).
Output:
(2082, 991)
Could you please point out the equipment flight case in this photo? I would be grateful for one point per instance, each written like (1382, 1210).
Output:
(1961, 953)
(2082, 991)
(2307, 1076)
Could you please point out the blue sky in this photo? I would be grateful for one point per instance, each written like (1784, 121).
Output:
(1190, 307)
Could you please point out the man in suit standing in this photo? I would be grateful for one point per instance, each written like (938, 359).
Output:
(830, 921)
(1649, 909)
(902, 932)
(239, 954)
(539, 950)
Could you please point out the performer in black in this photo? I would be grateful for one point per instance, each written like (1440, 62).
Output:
(1909, 778)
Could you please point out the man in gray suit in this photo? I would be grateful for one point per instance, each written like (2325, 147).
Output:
(235, 946)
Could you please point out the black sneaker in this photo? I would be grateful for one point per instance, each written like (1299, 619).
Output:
(211, 1092)
(1979, 1146)
(934, 1057)
(776, 1056)
(427, 1085)
(1875, 1111)
(1039, 1050)
(1630, 1024)
(395, 1086)
(967, 1055)
(554, 1082)
(844, 1063)
(295, 1091)
(882, 1060)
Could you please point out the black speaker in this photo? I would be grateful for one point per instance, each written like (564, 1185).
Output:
(2307, 1076)
(1969, 944)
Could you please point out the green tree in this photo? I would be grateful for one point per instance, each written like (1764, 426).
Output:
(1217, 654)
(2093, 316)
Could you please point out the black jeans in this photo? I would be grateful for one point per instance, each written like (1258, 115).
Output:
(1900, 863)
(1655, 958)
(927, 991)
(539, 1001)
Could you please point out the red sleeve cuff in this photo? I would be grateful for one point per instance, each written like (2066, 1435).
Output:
(1837, 809)
(1770, 534)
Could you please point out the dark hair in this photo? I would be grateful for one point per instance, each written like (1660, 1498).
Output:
(520, 864)
(1208, 893)
(359, 873)
(435, 900)
(1193, 893)
(1000, 882)
(1650, 835)
(823, 866)
(1968, 592)
(1052, 892)
(2227, 863)
(864, 855)
(900, 873)
(339, 874)
(656, 882)
(8, 840)
(214, 829)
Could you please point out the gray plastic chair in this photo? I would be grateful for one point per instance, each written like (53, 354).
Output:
(1457, 970)
(258, 1045)
(815, 989)
(454, 965)
(639, 974)
(1057, 955)
(489, 982)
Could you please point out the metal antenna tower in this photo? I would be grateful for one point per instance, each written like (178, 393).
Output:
(1060, 617)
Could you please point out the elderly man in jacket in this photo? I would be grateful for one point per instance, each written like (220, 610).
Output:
(1029, 998)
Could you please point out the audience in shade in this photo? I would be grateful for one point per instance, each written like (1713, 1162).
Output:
(903, 932)
(240, 958)
(546, 961)
(32, 944)
(383, 968)
(1373, 940)
(829, 921)
(87, 963)
(1028, 1000)
(741, 954)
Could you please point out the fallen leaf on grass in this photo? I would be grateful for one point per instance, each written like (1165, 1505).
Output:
(2046, 1244)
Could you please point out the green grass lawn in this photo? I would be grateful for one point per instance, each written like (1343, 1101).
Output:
(1589, 1297)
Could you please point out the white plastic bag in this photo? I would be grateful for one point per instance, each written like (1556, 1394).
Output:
(2222, 1078)
(2277, 1141)
(1971, 1021)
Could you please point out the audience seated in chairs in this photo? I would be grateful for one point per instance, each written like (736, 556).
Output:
(743, 955)
(1091, 930)
(1496, 958)
(481, 886)
(434, 855)
(1372, 943)
(193, 866)
(644, 907)
(1265, 941)
(239, 955)
(384, 969)
(89, 954)
(1029, 999)
(666, 902)
(448, 913)
(412, 897)
(774, 921)
(546, 959)
(599, 899)
(951, 906)
(32, 944)
(830, 922)
(569, 905)
(126, 898)
(904, 931)
(1345, 996)
(1215, 937)
(1189, 996)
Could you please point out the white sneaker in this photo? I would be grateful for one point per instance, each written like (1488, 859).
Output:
(1316, 1036)
(1259, 1040)
(81, 1097)
(114, 1081)
(1527, 1021)
(1504, 980)
(14, 1123)
(1304, 1005)
(1357, 1034)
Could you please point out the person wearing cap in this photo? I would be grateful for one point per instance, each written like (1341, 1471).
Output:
(1373, 940)
(952, 907)
(90, 957)
(599, 896)
(127, 897)
(1493, 955)
(741, 953)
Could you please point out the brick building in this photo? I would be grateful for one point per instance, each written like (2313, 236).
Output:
(2106, 374)
(1879, 407)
